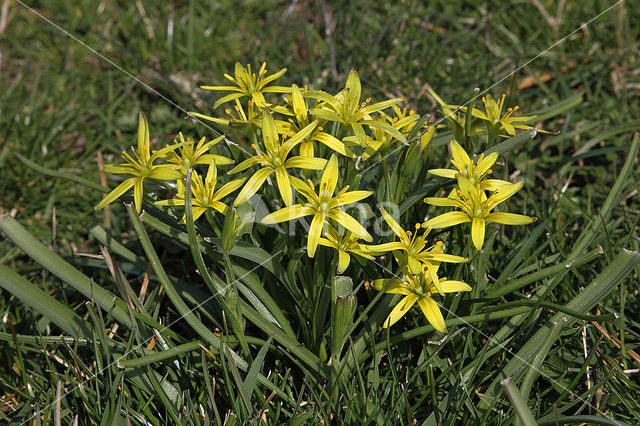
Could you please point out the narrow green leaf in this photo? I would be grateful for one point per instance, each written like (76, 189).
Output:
(599, 288)
(256, 366)
(518, 402)
(63, 270)
(40, 301)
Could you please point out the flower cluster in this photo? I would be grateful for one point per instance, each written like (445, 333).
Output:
(470, 196)
(314, 131)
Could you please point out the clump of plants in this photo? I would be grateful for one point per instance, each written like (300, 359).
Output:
(291, 244)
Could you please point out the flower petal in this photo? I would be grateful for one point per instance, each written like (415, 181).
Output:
(432, 312)
(395, 227)
(510, 218)
(228, 188)
(350, 223)
(454, 286)
(252, 186)
(245, 165)
(284, 186)
(477, 232)
(137, 195)
(444, 202)
(401, 308)
(143, 135)
(447, 173)
(330, 141)
(315, 230)
(343, 261)
(378, 249)
(459, 154)
(329, 178)
(116, 193)
(447, 219)
(485, 164)
(352, 197)
(270, 133)
(288, 213)
(310, 163)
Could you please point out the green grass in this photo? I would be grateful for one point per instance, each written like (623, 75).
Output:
(60, 103)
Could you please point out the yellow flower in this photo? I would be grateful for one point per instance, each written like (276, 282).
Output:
(274, 159)
(249, 84)
(189, 157)
(346, 108)
(496, 121)
(403, 121)
(298, 109)
(204, 194)
(418, 288)
(322, 206)
(140, 164)
(476, 173)
(412, 250)
(345, 243)
(476, 208)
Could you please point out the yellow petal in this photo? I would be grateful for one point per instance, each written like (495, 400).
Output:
(284, 186)
(483, 166)
(270, 133)
(444, 202)
(228, 188)
(432, 312)
(310, 163)
(173, 202)
(343, 261)
(137, 195)
(459, 154)
(331, 142)
(288, 213)
(306, 150)
(447, 173)
(395, 227)
(447, 219)
(454, 286)
(350, 223)
(388, 285)
(401, 308)
(165, 172)
(116, 193)
(298, 103)
(509, 218)
(352, 197)
(297, 138)
(379, 249)
(442, 257)
(245, 165)
(494, 184)
(477, 232)
(315, 230)
(329, 178)
(252, 186)
(143, 135)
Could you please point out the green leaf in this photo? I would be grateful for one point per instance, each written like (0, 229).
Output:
(41, 302)
(256, 366)
(63, 270)
(595, 292)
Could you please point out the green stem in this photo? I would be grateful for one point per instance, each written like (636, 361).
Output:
(217, 288)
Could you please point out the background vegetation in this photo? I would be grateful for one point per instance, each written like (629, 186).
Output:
(74, 76)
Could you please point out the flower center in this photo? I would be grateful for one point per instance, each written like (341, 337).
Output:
(324, 207)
